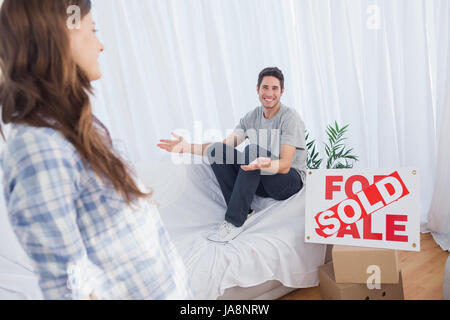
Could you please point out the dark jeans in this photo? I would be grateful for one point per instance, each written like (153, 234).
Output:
(239, 186)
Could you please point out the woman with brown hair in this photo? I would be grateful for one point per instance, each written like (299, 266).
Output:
(74, 204)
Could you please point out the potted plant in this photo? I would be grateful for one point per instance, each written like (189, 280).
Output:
(338, 156)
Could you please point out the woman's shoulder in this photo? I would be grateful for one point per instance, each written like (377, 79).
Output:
(22, 136)
(23, 141)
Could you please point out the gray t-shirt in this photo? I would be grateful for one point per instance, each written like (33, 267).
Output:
(286, 127)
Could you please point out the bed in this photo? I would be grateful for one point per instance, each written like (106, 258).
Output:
(17, 280)
(268, 260)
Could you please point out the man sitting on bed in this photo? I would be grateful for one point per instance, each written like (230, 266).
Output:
(272, 165)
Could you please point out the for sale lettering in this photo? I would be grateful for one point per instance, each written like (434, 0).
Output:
(376, 208)
(342, 217)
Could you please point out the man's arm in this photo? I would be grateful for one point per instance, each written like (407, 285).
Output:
(234, 139)
(281, 166)
(179, 145)
(182, 146)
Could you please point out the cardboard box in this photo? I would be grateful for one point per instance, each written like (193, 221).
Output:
(351, 264)
(330, 290)
(328, 256)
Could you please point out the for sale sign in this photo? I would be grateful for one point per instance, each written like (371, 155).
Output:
(376, 208)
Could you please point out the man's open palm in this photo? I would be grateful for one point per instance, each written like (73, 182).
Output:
(258, 164)
(176, 146)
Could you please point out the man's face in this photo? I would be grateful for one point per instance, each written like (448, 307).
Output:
(270, 92)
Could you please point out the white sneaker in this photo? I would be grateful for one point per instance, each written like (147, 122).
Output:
(251, 214)
(225, 233)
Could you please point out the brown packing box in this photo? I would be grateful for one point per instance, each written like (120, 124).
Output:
(351, 263)
(330, 290)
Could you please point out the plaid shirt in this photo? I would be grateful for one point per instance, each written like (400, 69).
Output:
(78, 231)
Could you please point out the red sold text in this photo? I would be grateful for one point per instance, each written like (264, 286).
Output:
(341, 218)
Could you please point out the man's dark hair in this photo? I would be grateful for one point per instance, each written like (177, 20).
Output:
(274, 72)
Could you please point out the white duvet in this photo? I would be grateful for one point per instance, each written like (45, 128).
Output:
(272, 246)
(191, 205)
(17, 280)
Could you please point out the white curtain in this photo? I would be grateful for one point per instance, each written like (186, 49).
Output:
(380, 66)
(439, 214)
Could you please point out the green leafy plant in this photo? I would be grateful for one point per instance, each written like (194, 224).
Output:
(338, 156)
(313, 160)
(336, 150)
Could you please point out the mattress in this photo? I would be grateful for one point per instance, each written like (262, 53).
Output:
(270, 250)
(268, 260)
(269, 290)
(17, 281)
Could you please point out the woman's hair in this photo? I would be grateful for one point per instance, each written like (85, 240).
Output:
(42, 86)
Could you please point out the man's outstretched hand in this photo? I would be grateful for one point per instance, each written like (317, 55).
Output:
(176, 146)
(258, 164)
